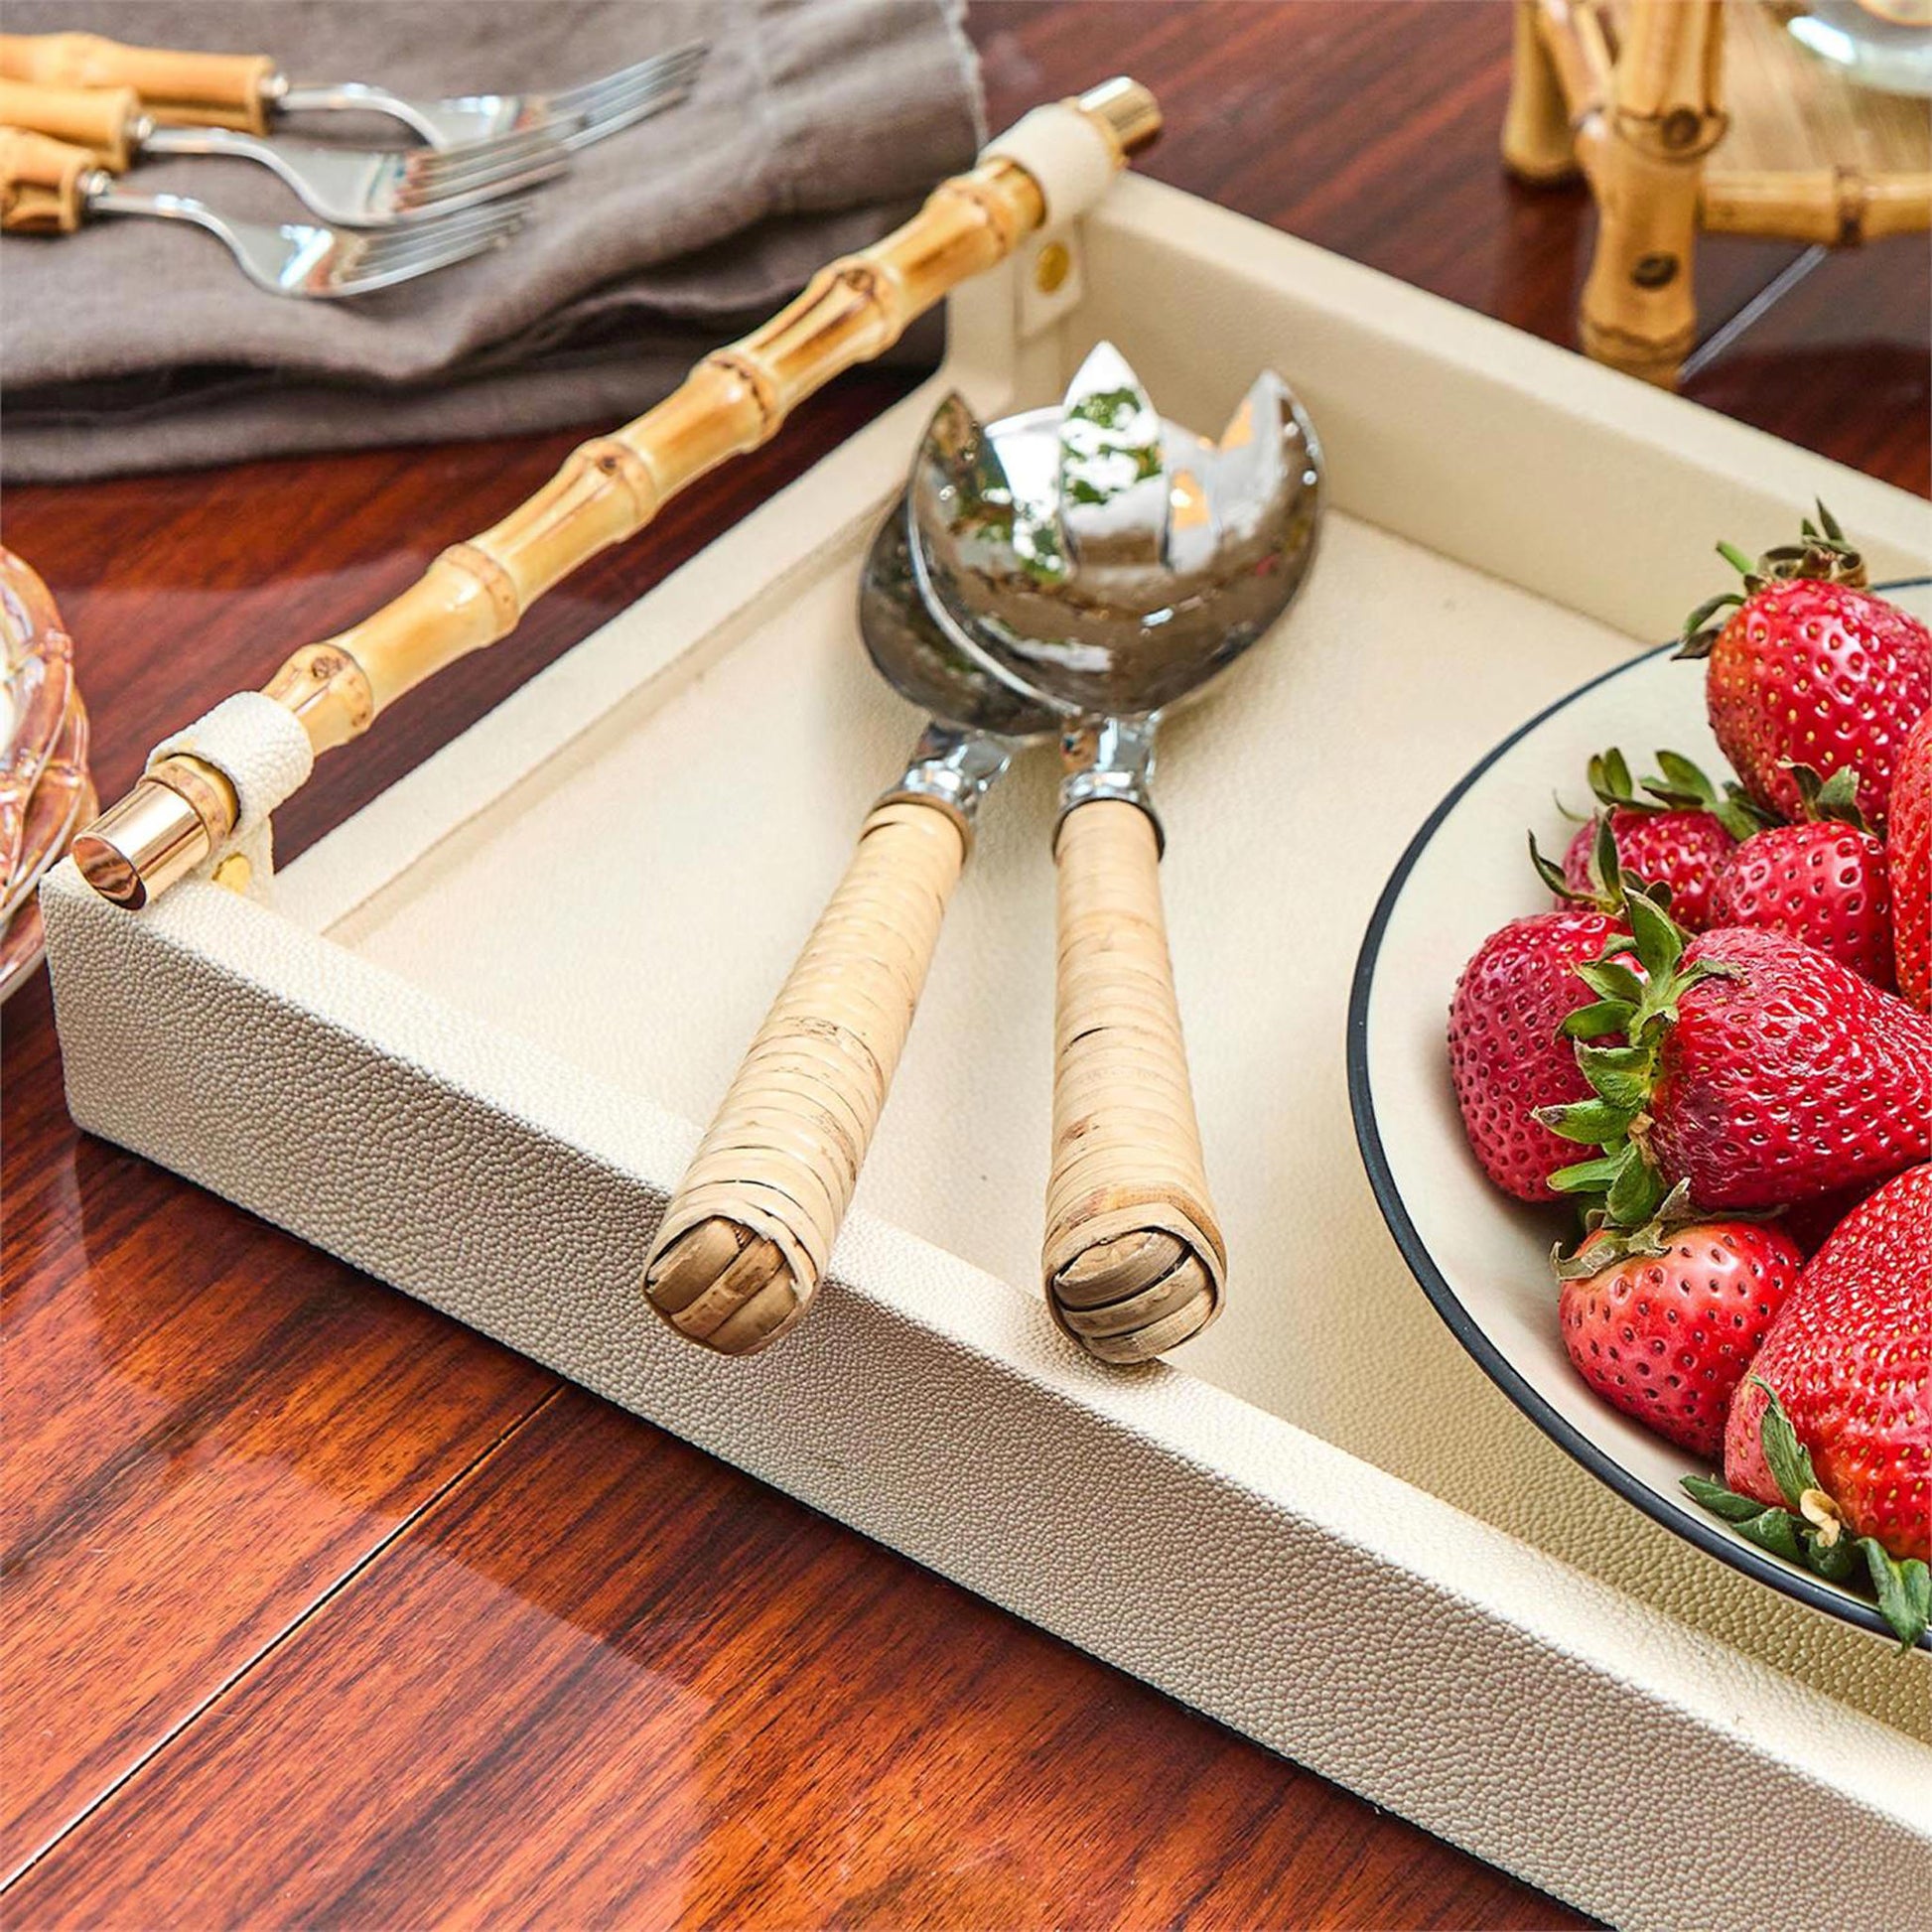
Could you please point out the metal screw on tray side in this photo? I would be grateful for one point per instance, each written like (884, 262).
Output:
(749, 1232)
(1108, 563)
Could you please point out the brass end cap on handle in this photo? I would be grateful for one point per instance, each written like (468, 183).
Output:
(1126, 109)
(158, 834)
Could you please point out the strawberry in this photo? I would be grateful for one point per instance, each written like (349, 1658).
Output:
(1823, 881)
(1827, 1451)
(1810, 667)
(1813, 1222)
(1508, 1054)
(1848, 1363)
(1663, 1321)
(1752, 1065)
(1908, 858)
(1676, 838)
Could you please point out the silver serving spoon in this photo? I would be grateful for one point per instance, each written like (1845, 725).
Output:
(746, 1237)
(1106, 563)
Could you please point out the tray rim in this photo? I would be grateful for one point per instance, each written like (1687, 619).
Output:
(1562, 1671)
(1760, 1566)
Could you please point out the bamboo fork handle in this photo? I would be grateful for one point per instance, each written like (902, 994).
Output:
(100, 119)
(223, 89)
(1133, 1260)
(42, 182)
(746, 1237)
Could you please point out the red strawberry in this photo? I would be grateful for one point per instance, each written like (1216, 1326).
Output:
(1851, 1362)
(1812, 1223)
(1752, 1065)
(1508, 1054)
(1909, 856)
(1828, 1446)
(1662, 1323)
(1680, 851)
(1810, 667)
(1823, 881)
(1678, 837)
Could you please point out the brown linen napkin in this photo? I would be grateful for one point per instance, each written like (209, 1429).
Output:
(815, 124)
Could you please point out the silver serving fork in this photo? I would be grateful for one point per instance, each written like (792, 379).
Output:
(577, 115)
(301, 259)
(359, 188)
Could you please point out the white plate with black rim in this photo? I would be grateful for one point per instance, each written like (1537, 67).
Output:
(1482, 1258)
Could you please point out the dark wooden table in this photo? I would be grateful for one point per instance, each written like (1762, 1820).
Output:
(324, 1610)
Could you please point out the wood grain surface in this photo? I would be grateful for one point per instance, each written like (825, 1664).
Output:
(321, 1610)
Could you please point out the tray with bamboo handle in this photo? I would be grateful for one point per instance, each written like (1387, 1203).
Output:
(469, 1043)
(186, 809)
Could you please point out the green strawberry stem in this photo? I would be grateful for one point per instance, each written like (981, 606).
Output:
(1683, 787)
(1832, 801)
(1622, 1076)
(1608, 887)
(1821, 554)
(1811, 1531)
(1605, 1246)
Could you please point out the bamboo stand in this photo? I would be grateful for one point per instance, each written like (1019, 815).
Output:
(184, 811)
(1676, 131)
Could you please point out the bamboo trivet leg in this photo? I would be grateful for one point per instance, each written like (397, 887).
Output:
(1538, 145)
(1645, 159)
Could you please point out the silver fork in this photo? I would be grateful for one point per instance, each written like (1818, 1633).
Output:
(578, 115)
(359, 186)
(370, 189)
(297, 258)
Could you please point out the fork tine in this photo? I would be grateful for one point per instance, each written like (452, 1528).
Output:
(607, 108)
(428, 164)
(391, 245)
(513, 177)
(626, 114)
(588, 95)
(435, 179)
(360, 273)
(361, 280)
(613, 100)
(597, 95)
(360, 263)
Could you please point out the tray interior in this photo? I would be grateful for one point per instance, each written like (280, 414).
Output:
(632, 907)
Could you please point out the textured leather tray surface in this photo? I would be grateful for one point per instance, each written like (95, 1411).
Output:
(469, 1043)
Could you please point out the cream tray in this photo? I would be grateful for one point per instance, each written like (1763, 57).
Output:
(466, 1044)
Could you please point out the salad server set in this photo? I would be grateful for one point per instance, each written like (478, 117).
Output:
(1065, 574)
(77, 111)
(1068, 574)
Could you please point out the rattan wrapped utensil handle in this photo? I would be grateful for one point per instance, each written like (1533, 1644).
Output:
(41, 182)
(98, 118)
(746, 1237)
(215, 89)
(1133, 1260)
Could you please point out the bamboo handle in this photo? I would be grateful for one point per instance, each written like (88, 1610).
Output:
(221, 90)
(611, 487)
(746, 1237)
(100, 119)
(1133, 1260)
(41, 182)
